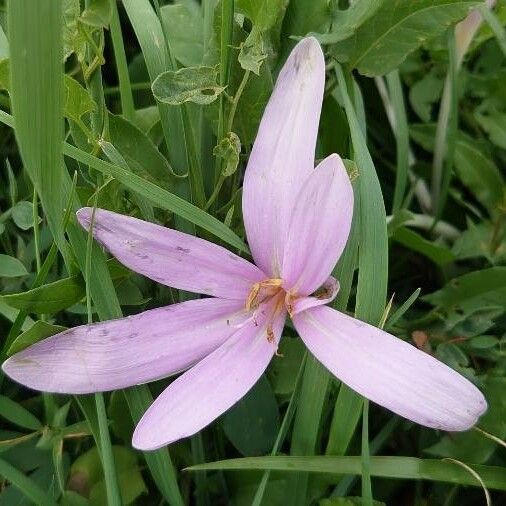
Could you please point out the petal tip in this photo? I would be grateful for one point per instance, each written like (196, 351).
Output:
(83, 216)
(308, 56)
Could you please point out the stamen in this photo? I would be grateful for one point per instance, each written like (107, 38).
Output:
(261, 291)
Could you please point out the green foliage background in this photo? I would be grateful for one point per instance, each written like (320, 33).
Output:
(150, 109)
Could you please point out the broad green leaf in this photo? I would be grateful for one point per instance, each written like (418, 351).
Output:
(410, 468)
(77, 100)
(253, 423)
(38, 331)
(184, 24)
(49, 298)
(253, 52)
(346, 22)
(264, 15)
(139, 152)
(481, 288)
(74, 39)
(283, 370)
(397, 29)
(480, 240)
(440, 255)
(87, 470)
(423, 94)
(22, 214)
(17, 414)
(11, 267)
(191, 84)
(97, 13)
(228, 149)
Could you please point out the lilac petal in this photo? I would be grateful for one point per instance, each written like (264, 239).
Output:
(327, 293)
(212, 386)
(283, 154)
(319, 228)
(172, 258)
(389, 371)
(121, 353)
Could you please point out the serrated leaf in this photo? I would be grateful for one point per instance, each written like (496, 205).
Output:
(11, 267)
(228, 149)
(397, 29)
(38, 331)
(191, 84)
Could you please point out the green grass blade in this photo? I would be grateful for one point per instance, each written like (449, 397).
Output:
(373, 242)
(139, 398)
(159, 197)
(401, 132)
(104, 441)
(407, 468)
(30, 489)
(125, 87)
(35, 68)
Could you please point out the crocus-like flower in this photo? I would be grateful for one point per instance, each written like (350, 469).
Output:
(297, 220)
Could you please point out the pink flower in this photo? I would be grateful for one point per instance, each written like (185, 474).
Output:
(297, 220)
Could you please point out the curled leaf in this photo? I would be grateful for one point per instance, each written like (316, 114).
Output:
(190, 84)
(228, 149)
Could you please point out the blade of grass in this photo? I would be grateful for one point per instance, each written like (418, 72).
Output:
(27, 486)
(373, 245)
(316, 378)
(410, 468)
(366, 457)
(35, 68)
(227, 24)
(159, 462)
(192, 159)
(45, 125)
(496, 26)
(401, 136)
(125, 87)
(105, 447)
(446, 130)
(287, 420)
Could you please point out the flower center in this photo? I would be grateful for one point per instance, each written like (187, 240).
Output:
(262, 292)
